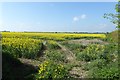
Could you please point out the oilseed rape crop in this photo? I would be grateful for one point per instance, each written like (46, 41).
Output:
(51, 70)
(27, 45)
(51, 36)
(18, 47)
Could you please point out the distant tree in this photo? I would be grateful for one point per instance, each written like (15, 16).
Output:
(5, 31)
(114, 18)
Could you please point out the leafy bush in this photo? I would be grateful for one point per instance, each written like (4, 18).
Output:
(105, 65)
(52, 45)
(110, 52)
(55, 55)
(95, 51)
(112, 36)
(99, 63)
(107, 72)
(51, 70)
(92, 52)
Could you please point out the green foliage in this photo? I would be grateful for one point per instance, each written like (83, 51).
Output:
(95, 51)
(74, 47)
(107, 72)
(55, 55)
(52, 45)
(114, 18)
(110, 53)
(106, 63)
(113, 36)
(51, 70)
(98, 63)
(69, 66)
(92, 52)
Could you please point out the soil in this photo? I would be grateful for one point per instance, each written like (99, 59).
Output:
(86, 42)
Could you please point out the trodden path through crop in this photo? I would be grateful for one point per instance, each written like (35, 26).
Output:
(77, 71)
(69, 54)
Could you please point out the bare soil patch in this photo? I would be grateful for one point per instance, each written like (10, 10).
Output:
(86, 42)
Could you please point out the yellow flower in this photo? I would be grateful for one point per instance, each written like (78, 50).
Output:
(55, 69)
(55, 76)
(46, 72)
(39, 71)
(42, 76)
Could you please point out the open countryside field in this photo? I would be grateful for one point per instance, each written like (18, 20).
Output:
(60, 40)
(41, 56)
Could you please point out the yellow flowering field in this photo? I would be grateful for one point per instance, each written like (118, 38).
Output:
(59, 54)
(18, 47)
(50, 36)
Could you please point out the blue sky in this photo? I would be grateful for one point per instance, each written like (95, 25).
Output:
(57, 16)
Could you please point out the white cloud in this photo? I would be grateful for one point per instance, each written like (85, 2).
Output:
(83, 16)
(77, 18)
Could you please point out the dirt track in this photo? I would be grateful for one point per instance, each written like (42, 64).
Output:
(76, 72)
